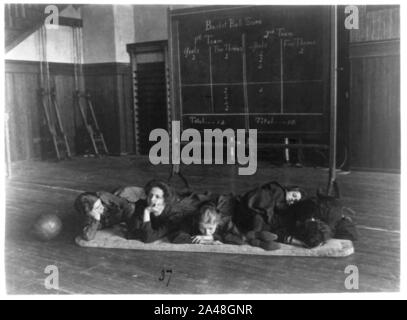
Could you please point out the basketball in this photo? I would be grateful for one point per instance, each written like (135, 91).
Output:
(47, 227)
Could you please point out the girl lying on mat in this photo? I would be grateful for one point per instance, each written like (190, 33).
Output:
(162, 213)
(256, 211)
(211, 226)
(101, 210)
(288, 213)
(207, 227)
(256, 208)
(152, 218)
(315, 220)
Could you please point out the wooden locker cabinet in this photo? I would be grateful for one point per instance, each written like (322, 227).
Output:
(151, 90)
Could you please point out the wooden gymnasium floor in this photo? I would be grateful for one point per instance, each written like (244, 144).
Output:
(47, 187)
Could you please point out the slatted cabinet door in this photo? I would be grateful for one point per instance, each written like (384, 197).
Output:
(150, 91)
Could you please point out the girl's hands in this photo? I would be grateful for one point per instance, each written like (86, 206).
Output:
(157, 209)
(146, 216)
(95, 215)
(153, 209)
(203, 240)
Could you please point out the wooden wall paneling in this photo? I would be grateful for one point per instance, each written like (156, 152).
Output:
(21, 117)
(109, 84)
(365, 121)
(33, 103)
(343, 92)
(109, 111)
(368, 49)
(27, 118)
(377, 25)
(374, 116)
(9, 95)
(386, 113)
(394, 113)
(102, 90)
(121, 130)
(375, 113)
(80, 134)
(64, 85)
(377, 109)
(355, 116)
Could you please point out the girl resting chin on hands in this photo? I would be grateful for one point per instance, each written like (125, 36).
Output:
(152, 218)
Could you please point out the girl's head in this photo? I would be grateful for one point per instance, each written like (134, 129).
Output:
(158, 193)
(209, 219)
(294, 194)
(89, 204)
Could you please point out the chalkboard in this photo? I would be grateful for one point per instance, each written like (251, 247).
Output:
(252, 67)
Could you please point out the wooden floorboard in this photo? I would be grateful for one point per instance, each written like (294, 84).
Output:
(41, 187)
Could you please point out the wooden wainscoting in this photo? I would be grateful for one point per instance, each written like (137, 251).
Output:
(23, 104)
(374, 115)
(109, 84)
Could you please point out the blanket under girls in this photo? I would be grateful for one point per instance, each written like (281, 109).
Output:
(114, 239)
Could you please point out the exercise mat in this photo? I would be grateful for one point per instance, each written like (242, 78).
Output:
(114, 239)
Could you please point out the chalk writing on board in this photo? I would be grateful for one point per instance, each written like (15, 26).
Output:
(298, 42)
(207, 39)
(219, 45)
(227, 47)
(275, 121)
(231, 23)
(278, 32)
(205, 121)
(191, 52)
(211, 41)
(226, 99)
(261, 59)
(255, 67)
(258, 46)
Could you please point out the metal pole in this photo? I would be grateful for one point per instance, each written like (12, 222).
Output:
(175, 168)
(334, 99)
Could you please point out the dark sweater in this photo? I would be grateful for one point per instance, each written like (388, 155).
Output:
(169, 222)
(256, 208)
(116, 210)
(148, 232)
(331, 218)
(226, 232)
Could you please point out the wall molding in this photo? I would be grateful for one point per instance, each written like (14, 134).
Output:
(20, 66)
(371, 49)
(110, 68)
